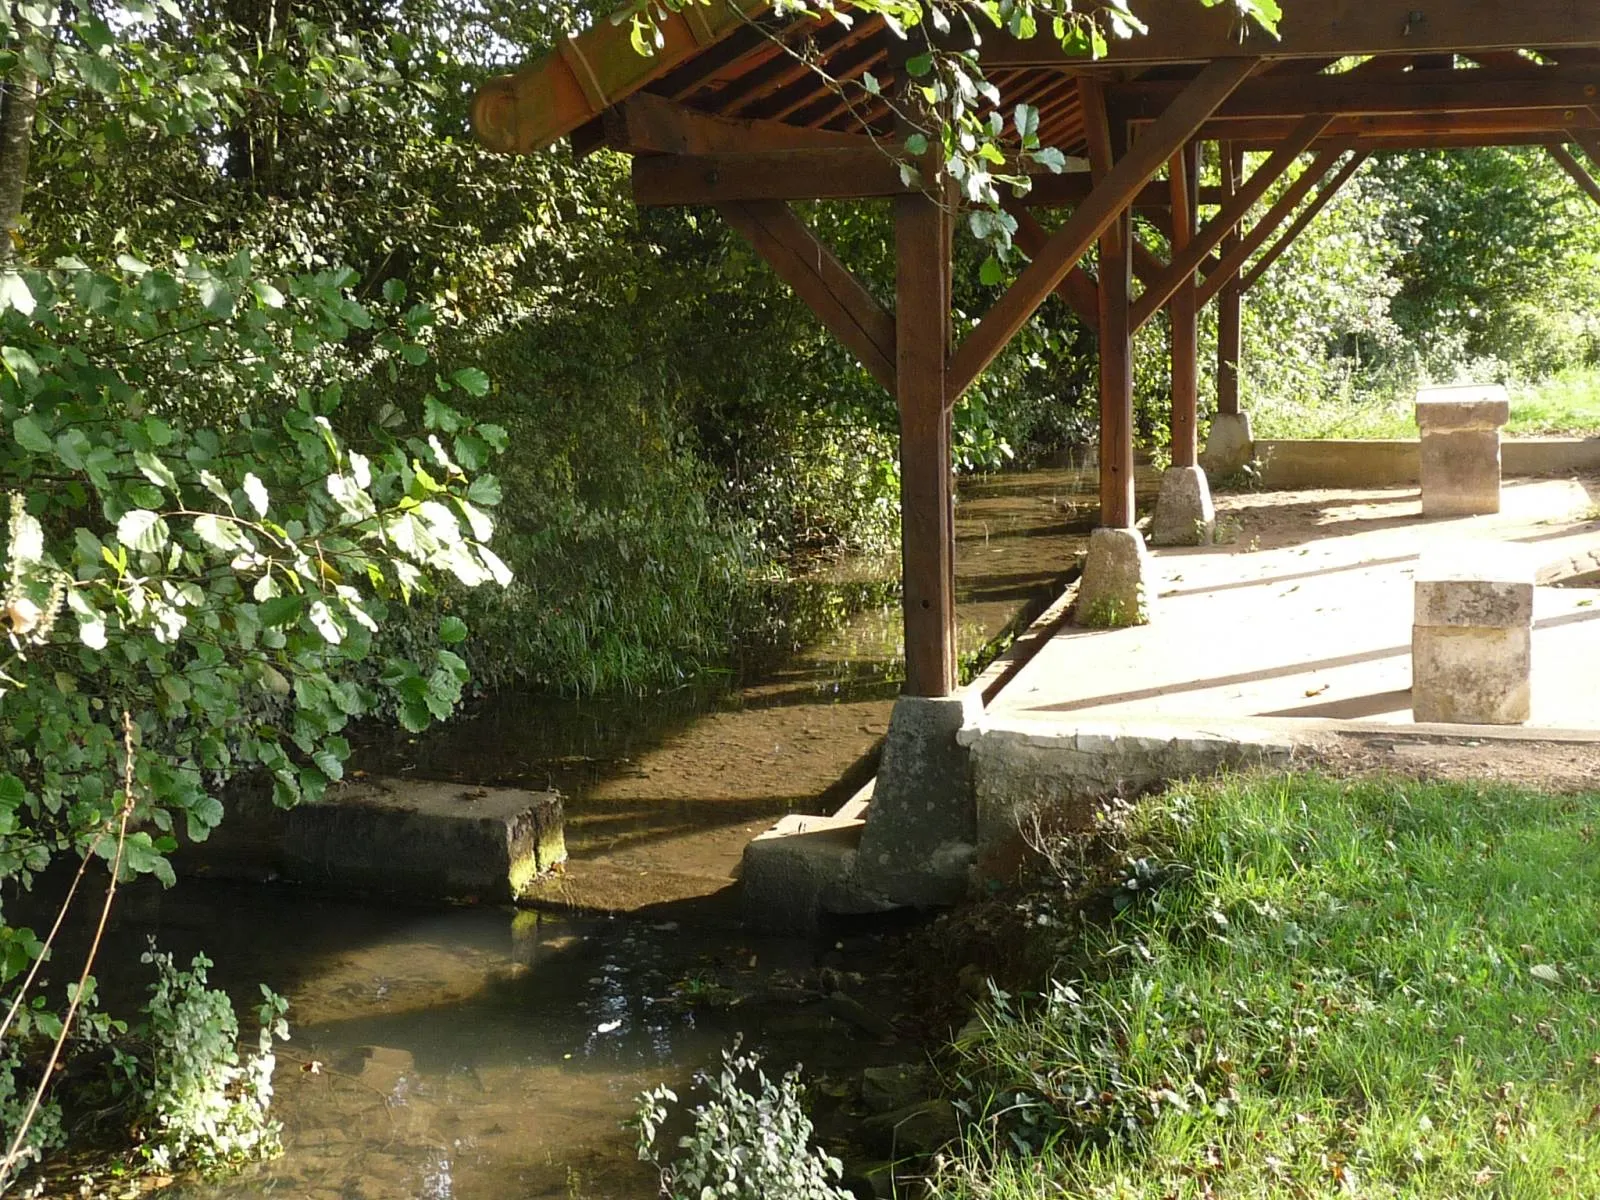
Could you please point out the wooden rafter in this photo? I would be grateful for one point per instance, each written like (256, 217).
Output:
(1482, 124)
(1307, 215)
(646, 124)
(1184, 265)
(837, 297)
(1091, 218)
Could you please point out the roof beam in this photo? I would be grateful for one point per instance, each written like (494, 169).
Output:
(828, 287)
(826, 174)
(1307, 215)
(1481, 123)
(1091, 218)
(1184, 265)
(1181, 31)
(652, 125)
(1362, 94)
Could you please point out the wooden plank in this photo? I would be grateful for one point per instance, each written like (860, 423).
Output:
(927, 538)
(1091, 218)
(1184, 184)
(646, 124)
(1181, 31)
(1307, 215)
(1363, 94)
(1230, 340)
(830, 174)
(551, 96)
(1574, 168)
(1184, 265)
(1078, 289)
(1233, 261)
(828, 287)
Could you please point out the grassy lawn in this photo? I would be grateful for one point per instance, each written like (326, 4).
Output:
(1315, 989)
(1565, 405)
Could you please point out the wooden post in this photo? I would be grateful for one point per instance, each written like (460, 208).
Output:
(1185, 182)
(927, 536)
(1230, 340)
(1107, 142)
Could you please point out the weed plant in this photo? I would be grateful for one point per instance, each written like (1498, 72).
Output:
(1301, 987)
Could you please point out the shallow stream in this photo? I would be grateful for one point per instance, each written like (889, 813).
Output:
(483, 1052)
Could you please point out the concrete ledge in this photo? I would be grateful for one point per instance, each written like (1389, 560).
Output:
(412, 839)
(801, 868)
(1336, 462)
(1058, 772)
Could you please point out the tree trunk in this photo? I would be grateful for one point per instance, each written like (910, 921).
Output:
(19, 100)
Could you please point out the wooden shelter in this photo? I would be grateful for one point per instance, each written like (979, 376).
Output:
(747, 110)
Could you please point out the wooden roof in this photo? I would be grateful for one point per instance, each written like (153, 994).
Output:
(1524, 69)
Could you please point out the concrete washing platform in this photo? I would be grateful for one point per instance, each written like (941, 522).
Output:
(411, 839)
(1296, 632)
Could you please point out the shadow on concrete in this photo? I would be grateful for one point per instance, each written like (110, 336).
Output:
(1272, 580)
(1352, 708)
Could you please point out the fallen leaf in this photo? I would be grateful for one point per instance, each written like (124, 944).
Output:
(1317, 691)
(1546, 972)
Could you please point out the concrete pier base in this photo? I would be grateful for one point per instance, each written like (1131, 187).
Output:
(917, 846)
(1115, 590)
(802, 868)
(1472, 641)
(1184, 513)
(1460, 429)
(412, 839)
(1229, 445)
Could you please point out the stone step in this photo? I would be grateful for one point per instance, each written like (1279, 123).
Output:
(409, 838)
(802, 867)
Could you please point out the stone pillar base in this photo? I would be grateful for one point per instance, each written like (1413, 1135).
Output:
(918, 844)
(1116, 589)
(1460, 452)
(1472, 643)
(1229, 445)
(1184, 513)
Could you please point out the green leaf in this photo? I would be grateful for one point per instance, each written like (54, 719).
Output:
(12, 793)
(472, 381)
(28, 434)
(256, 492)
(484, 490)
(281, 610)
(156, 471)
(141, 529)
(14, 293)
(917, 144)
(452, 630)
(218, 533)
(437, 415)
(919, 66)
(990, 273)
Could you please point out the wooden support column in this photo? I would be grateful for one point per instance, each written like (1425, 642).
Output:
(1106, 144)
(1185, 183)
(922, 229)
(1229, 337)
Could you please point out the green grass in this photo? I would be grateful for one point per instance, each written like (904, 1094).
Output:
(1314, 989)
(1567, 404)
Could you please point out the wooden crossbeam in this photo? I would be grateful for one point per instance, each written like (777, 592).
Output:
(1419, 141)
(1179, 31)
(1573, 167)
(1184, 265)
(646, 124)
(1350, 129)
(830, 174)
(1091, 218)
(827, 286)
(1233, 261)
(1307, 215)
(1078, 287)
(1365, 94)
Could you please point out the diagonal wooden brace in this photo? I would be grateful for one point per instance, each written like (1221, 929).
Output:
(828, 287)
(1307, 215)
(1102, 206)
(1183, 267)
(1576, 169)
